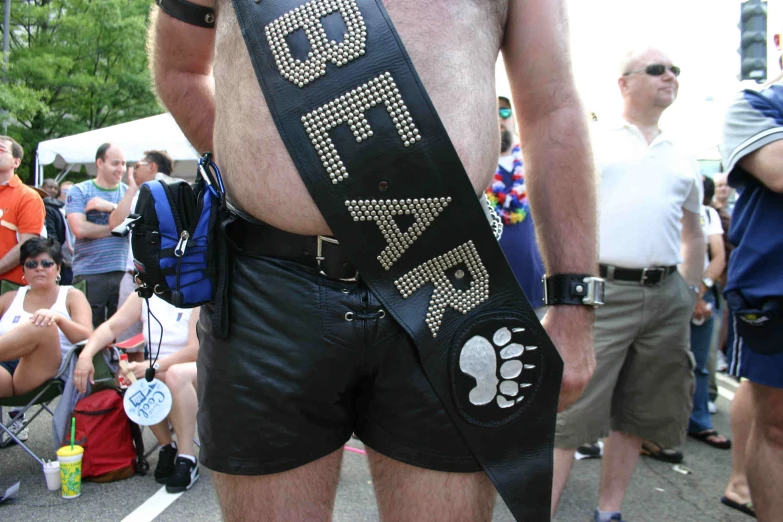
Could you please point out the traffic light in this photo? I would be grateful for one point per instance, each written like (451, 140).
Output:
(753, 41)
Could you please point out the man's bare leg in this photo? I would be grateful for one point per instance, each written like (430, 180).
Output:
(406, 493)
(303, 494)
(742, 414)
(765, 453)
(621, 453)
(564, 461)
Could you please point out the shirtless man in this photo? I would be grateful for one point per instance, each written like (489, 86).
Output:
(206, 80)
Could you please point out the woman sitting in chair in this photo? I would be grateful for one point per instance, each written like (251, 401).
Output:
(39, 324)
(175, 347)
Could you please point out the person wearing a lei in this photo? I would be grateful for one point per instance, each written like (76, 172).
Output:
(510, 203)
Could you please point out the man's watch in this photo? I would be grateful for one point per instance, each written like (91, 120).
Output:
(708, 282)
(573, 289)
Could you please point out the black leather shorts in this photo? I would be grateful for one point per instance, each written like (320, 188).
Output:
(308, 361)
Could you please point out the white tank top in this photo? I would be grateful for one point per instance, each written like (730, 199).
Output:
(16, 315)
(175, 326)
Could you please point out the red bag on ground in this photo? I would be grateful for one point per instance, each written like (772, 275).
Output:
(104, 431)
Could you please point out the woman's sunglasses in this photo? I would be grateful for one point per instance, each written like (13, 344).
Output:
(504, 112)
(657, 69)
(32, 264)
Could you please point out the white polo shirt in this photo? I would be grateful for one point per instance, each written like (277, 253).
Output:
(643, 191)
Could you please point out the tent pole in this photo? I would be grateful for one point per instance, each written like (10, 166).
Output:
(64, 173)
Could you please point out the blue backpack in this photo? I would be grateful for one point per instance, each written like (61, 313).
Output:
(174, 240)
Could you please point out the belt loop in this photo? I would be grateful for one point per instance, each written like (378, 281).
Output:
(610, 272)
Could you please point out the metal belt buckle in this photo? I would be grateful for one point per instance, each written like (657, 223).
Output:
(320, 257)
(661, 270)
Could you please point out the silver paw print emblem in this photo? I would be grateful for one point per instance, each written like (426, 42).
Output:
(480, 359)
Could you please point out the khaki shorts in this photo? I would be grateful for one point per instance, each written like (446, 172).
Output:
(643, 382)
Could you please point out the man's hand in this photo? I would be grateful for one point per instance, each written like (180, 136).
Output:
(82, 373)
(132, 185)
(571, 331)
(99, 204)
(702, 311)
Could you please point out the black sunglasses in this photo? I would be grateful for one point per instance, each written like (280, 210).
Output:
(33, 264)
(657, 69)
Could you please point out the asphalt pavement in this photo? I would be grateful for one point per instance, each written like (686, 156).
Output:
(657, 492)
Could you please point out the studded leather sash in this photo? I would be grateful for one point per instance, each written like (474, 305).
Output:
(379, 164)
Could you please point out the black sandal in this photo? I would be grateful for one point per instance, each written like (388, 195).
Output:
(658, 452)
(746, 508)
(704, 436)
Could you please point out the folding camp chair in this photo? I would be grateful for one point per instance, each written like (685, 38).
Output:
(134, 342)
(31, 404)
(39, 399)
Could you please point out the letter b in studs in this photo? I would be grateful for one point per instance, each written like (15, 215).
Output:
(308, 18)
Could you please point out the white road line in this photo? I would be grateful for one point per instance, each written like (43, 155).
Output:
(153, 507)
(723, 392)
(728, 381)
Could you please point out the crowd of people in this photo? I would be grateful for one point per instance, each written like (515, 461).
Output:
(690, 274)
(57, 235)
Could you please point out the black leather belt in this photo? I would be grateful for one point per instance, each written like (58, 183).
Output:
(377, 160)
(320, 253)
(643, 276)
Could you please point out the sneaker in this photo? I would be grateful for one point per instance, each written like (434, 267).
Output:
(592, 450)
(184, 476)
(165, 467)
(616, 517)
(712, 408)
(17, 428)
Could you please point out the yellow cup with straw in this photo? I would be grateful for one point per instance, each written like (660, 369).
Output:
(71, 466)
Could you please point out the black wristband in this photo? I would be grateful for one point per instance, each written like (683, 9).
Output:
(189, 13)
(573, 289)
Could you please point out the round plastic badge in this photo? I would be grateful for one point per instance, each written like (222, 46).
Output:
(147, 403)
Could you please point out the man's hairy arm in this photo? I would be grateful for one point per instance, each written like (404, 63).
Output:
(11, 258)
(693, 248)
(766, 164)
(558, 170)
(180, 57)
(83, 229)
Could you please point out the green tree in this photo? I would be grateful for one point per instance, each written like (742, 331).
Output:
(75, 65)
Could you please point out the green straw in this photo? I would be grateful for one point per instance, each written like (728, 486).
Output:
(73, 430)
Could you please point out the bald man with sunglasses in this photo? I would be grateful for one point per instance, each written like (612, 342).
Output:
(649, 207)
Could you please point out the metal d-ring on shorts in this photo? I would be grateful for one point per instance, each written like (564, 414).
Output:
(309, 360)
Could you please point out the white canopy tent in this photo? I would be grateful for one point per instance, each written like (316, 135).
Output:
(159, 132)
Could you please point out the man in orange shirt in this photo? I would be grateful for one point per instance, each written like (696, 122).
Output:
(22, 211)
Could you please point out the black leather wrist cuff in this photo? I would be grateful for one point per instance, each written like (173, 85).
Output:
(573, 289)
(189, 13)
